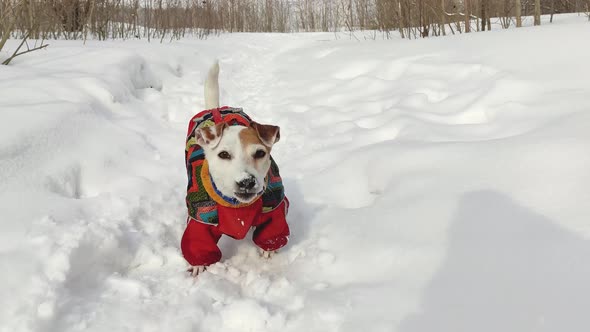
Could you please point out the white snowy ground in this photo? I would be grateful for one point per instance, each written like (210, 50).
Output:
(436, 185)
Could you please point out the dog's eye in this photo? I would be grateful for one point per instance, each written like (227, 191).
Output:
(224, 155)
(259, 154)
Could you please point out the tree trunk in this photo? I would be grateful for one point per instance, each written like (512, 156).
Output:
(443, 16)
(537, 12)
(518, 6)
(457, 22)
(476, 5)
(400, 18)
(467, 15)
(483, 15)
(7, 26)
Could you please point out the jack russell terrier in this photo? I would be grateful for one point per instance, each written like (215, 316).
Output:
(233, 182)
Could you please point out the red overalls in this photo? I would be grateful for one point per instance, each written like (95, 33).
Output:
(199, 242)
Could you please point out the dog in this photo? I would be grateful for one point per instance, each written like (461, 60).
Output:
(233, 182)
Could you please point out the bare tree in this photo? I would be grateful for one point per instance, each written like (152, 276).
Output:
(9, 14)
(443, 17)
(537, 15)
(518, 7)
(165, 20)
(7, 21)
(467, 15)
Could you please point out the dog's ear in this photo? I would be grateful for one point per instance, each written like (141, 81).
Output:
(268, 134)
(210, 136)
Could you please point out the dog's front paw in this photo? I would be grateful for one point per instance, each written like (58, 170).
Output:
(196, 270)
(267, 254)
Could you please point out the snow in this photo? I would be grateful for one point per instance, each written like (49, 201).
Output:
(435, 185)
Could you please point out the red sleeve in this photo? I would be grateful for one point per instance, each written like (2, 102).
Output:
(273, 231)
(199, 244)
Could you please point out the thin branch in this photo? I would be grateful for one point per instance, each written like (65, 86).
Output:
(17, 49)
(16, 52)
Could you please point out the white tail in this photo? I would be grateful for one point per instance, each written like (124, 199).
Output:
(212, 87)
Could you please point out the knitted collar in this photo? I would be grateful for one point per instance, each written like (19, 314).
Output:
(217, 195)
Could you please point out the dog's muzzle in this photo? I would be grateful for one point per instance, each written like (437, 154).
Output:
(246, 189)
(246, 184)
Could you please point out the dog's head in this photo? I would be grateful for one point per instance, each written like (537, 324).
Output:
(238, 157)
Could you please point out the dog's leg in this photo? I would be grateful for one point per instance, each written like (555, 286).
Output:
(196, 270)
(212, 87)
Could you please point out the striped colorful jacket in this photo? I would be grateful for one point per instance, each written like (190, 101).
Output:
(202, 199)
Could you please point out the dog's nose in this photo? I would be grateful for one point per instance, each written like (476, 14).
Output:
(247, 183)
